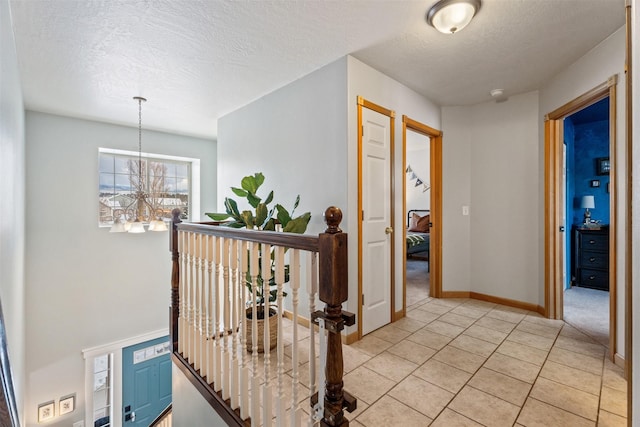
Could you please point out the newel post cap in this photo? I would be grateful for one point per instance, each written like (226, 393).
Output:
(333, 217)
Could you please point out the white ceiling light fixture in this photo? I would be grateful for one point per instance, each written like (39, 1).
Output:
(451, 16)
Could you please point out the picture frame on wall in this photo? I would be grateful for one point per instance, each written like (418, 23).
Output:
(67, 404)
(46, 411)
(603, 166)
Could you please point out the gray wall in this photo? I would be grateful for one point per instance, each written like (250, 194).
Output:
(12, 193)
(297, 137)
(87, 287)
(490, 155)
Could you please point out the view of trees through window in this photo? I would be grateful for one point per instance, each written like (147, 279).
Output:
(166, 182)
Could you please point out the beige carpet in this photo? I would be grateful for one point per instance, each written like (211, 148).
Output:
(588, 310)
(585, 309)
(417, 281)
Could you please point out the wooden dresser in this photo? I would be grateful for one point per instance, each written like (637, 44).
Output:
(591, 257)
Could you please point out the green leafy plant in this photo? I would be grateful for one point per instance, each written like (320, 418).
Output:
(264, 218)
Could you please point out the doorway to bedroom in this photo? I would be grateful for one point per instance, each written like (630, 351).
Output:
(593, 240)
(422, 189)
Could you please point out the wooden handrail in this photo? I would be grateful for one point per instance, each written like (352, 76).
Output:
(8, 405)
(166, 411)
(290, 240)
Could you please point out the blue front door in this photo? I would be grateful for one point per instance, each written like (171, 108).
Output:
(146, 381)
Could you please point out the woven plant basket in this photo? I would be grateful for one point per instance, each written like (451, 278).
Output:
(273, 331)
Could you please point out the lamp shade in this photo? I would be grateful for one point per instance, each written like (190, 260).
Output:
(157, 225)
(136, 227)
(588, 202)
(451, 16)
(117, 227)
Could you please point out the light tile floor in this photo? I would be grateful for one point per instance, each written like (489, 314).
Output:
(462, 362)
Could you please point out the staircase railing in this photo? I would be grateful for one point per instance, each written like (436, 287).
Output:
(218, 277)
(164, 419)
(8, 404)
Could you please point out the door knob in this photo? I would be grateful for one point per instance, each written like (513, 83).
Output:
(388, 230)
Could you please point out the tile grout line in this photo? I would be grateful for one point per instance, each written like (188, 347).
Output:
(498, 345)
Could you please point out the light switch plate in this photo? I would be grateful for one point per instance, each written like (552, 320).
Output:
(465, 210)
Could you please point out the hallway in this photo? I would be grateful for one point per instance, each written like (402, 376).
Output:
(462, 362)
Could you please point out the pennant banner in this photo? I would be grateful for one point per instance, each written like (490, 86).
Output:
(412, 175)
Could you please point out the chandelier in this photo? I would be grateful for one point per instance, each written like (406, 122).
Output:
(141, 210)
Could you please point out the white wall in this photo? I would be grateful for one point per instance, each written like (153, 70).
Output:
(87, 287)
(594, 68)
(456, 190)
(189, 407)
(418, 157)
(297, 137)
(380, 89)
(12, 203)
(490, 164)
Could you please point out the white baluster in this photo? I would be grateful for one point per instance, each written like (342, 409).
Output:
(294, 282)
(182, 292)
(226, 376)
(267, 393)
(210, 329)
(234, 371)
(280, 277)
(217, 354)
(244, 376)
(192, 329)
(312, 289)
(255, 381)
(184, 278)
(202, 339)
(197, 314)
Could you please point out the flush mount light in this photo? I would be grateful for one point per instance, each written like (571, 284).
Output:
(451, 16)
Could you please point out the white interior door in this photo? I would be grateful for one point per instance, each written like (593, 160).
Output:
(377, 235)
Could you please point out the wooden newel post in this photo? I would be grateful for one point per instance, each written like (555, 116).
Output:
(175, 277)
(333, 291)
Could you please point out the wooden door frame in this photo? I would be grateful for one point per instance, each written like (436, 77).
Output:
(363, 103)
(435, 239)
(553, 136)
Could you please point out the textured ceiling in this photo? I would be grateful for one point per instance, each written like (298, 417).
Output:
(198, 60)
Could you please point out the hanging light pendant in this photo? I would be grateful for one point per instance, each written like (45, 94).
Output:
(451, 16)
(140, 209)
(141, 198)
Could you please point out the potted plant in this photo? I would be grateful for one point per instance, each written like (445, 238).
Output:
(262, 218)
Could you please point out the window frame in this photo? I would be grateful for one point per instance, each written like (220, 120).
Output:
(194, 188)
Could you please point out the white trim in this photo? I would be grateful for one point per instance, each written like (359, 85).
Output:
(115, 349)
(146, 155)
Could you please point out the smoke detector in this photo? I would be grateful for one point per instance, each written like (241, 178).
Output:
(498, 95)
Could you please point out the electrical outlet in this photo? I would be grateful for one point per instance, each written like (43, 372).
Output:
(465, 210)
(78, 423)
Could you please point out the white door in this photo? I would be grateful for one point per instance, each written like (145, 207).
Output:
(377, 235)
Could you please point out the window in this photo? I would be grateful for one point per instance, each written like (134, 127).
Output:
(170, 182)
(102, 386)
